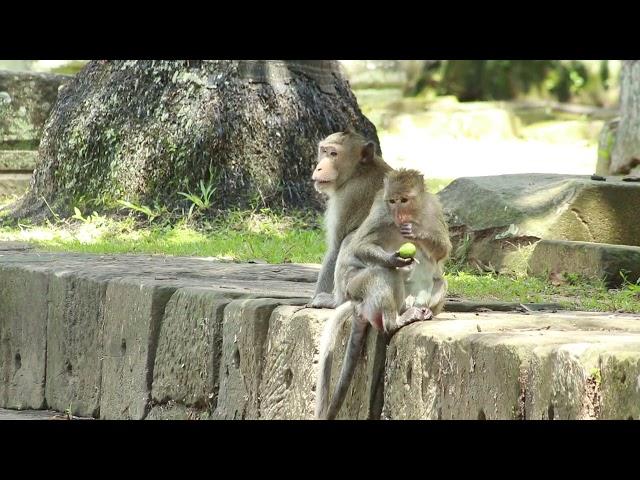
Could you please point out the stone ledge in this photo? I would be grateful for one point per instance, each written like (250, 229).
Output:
(599, 260)
(18, 160)
(14, 183)
(25, 102)
(156, 337)
(96, 333)
(567, 365)
(30, 415)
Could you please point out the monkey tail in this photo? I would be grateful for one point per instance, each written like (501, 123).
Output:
(327, 346)
(354, 348)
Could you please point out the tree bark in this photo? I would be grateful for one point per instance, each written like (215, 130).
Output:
(625, 157)
(143, 131)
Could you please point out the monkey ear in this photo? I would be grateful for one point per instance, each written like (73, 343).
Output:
(368, 152)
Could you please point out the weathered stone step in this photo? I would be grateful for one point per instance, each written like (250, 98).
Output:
(14, 183)
(567, 365)
(599, 260)
(18, 160)
(156, 337)
(6, 414)
(25, 102)
(84, 330)
(505, 215)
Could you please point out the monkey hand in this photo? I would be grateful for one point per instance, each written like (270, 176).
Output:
(406, 230)
(397, 261)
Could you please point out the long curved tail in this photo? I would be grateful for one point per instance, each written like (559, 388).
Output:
(325, 364)
(351, 356)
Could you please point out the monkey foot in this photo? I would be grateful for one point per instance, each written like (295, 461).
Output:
(414, 314)
(322, 300)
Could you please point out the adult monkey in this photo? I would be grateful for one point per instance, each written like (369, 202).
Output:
(371, 283)
(350, 173)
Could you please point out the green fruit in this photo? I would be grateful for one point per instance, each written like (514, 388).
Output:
(407, 250)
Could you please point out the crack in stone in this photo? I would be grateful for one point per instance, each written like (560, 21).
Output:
(576, 212)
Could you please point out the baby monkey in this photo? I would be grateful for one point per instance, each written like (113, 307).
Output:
(372, 279)
(419, 217)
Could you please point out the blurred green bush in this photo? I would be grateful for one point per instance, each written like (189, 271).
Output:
(583, 81)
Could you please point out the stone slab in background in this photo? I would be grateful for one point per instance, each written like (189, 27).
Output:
(504, 215)
(13, 183)
(598, 260)
(26, 99)
(18, 160)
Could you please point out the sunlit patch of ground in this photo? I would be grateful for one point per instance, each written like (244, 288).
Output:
(447, 139)
(453, 158)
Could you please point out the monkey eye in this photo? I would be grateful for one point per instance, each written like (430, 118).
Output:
(392, 201)
(334, 154)
(403, 200)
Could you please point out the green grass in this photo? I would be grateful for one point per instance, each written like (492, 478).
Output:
(240, 236)
(576, 294)
(183, 241)
(298, 238)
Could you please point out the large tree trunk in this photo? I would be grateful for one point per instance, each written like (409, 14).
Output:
(625, 157)
(145, 130)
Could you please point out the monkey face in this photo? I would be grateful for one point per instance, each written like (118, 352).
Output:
(327, 171)
(403, 191)
(338, 159)
(401, 207)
